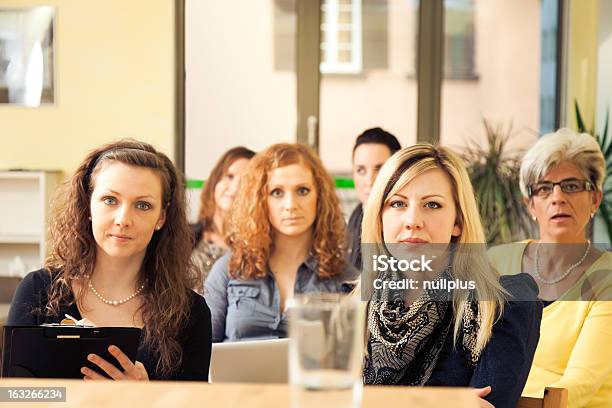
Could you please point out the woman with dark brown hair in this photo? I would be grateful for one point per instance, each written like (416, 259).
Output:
(286, 235)
(120, 247)
(215, 202)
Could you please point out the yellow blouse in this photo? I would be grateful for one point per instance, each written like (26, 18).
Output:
(575, 347)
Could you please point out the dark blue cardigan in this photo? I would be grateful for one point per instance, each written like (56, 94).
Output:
(505, 362)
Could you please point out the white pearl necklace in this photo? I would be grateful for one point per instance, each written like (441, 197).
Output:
(565, 274)
(115, 302)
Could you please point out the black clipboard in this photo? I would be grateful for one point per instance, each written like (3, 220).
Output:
(59, 351)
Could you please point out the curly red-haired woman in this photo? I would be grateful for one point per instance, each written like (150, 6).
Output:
(286, 236)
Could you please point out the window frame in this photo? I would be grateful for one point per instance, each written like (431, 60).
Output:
(331, 46)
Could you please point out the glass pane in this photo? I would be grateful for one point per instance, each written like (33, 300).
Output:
(344, 36)
(241, 79)
(495, 72)
(382, 92)
(604, 65)
(344, 56)
(345, 17)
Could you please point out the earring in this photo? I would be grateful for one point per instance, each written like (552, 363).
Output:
(158, 227)
(592, 215)
(534, 218)
(89, 218)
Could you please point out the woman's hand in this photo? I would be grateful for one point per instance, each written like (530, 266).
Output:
(130, 371)
(481, 393)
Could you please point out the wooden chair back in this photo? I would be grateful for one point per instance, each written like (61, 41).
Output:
(553, 398)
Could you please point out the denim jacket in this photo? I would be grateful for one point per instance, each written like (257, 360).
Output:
(250, 309)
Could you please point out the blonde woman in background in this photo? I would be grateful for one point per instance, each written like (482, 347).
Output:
(561, 179)
(479, 338)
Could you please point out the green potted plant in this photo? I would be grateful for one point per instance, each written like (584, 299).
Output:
(605, 143)
(494, 171)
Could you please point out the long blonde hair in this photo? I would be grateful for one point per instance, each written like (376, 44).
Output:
(470, 262)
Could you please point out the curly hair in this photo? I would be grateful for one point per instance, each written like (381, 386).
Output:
(249, 231)
(166, 270)
(207, 197)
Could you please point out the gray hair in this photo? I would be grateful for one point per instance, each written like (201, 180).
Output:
(563, 146)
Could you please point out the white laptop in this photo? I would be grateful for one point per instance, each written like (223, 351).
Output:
(254, 361)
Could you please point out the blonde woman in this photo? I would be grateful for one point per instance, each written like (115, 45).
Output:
(562, 179)
(423, 201)
(286, 236)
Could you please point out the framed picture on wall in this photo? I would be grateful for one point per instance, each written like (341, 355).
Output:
(27, 56)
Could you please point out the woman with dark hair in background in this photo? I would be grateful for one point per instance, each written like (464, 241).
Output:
(372, 148)
(216, 201)
(119, 257)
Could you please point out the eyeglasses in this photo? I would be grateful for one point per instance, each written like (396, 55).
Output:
(569, 186)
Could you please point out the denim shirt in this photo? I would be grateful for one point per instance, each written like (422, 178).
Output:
(250, 309)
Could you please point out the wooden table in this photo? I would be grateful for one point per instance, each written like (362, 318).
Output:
(191, 394)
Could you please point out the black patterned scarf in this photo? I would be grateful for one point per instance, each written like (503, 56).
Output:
(404, 343)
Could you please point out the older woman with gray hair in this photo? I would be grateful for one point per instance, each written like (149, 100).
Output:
(561, 179)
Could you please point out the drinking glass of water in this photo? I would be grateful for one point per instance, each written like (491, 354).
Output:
(326, 344)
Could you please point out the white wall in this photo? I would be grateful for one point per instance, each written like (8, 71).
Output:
(114, 78)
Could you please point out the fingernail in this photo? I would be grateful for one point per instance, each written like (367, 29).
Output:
(91, 357)
(83, 370)
(112, 349)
